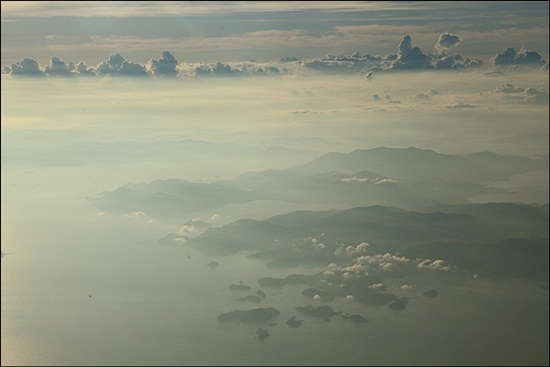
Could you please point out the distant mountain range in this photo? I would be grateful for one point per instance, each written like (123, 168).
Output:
(411, 178)
(403, 202)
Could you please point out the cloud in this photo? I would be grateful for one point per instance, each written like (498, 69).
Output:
(433, 265)
(84, 70)
(446, 41)
(26, 67)
(462, 105)
(455, 62)
(166, 65)
(116, 65)
(218, 68)
(407, 58)
(352, 250)
(522, 95)
(509, 57)
(57, 67)
(377, 287)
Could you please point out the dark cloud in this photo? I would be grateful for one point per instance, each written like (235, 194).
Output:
(116, 65)
(509, 57)
(218, 68)
(26, 67)
(84, 70)
(132, 69)
(455, 62)
(111, 65)
(57, 67)
(267, 70)
(446, 41)
(166, 65)
(407, 58)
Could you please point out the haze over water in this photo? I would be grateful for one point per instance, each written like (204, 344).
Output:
(94, 272)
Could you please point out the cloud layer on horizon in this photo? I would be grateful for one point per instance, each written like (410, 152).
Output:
(407, 57)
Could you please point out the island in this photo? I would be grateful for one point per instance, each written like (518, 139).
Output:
(262, 333)
(239, 287)
(321, 311)
(250, 316)
(249, 299)
(431, 293)
(293, 322)
(399, 304)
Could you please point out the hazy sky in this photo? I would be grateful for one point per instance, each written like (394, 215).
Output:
(90, 31)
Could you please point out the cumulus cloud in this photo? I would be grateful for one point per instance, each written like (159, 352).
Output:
(522, 95)
(58, 67)
(218, 68)
(26, 67)
(116, 65)
(315, 243)
(446, 41)
(433, 265)
(385, 262)
(138, 215)
(352, 250)
(509, 57)
(408, 57)
(84, 70)
(377, 287)
(132, 69)
(166, 65)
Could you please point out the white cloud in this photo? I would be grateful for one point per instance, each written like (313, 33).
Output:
(352, 251)
(377, 286)
(433, 265)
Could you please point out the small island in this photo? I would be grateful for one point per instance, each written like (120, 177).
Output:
(323, 312)
(249, 299)
(293, 322)
(262, 333)
(239, 287)
(250, 316)
(213, 264)
(399, 304)
(358, 319)
(431, 293)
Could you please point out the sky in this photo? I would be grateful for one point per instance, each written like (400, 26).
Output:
(210, 32)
